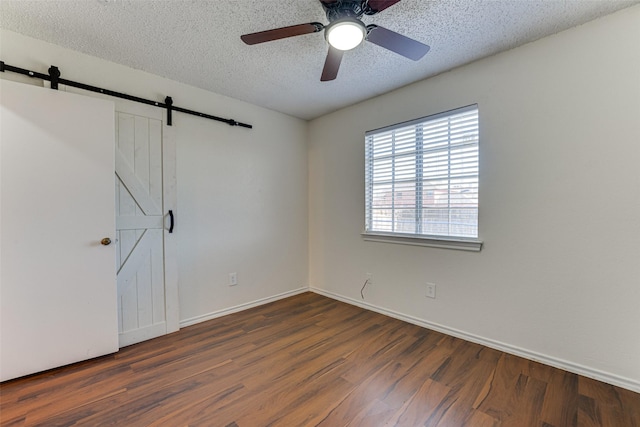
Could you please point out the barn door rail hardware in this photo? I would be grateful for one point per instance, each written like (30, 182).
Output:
(54, 78)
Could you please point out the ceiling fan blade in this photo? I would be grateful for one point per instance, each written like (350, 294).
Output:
(402, 45)
(282, 33)
(331, 64)
(376, 6)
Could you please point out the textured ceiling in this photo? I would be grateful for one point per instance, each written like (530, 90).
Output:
(198, 42)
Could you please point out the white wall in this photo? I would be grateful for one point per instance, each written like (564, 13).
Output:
(242, 194)
(558, 278)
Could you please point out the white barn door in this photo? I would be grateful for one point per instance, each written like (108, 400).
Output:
(145, 255)
(57, 281)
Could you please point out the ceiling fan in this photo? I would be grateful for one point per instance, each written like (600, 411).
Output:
(345, 31)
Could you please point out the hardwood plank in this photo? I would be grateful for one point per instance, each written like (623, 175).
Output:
(421, 406)
(605, 404)
(371, 416)
(480, 419)
(466, 373)
(312, 361)
(356, 402)
(560, 406)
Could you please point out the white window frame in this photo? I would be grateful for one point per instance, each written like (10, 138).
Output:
(414, 176)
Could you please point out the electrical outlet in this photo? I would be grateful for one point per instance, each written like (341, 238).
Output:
(233, 279)
(431, 290)
(370, 278)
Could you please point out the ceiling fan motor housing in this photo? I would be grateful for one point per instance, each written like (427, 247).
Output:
(345, 9)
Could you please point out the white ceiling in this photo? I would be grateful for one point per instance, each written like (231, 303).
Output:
(198, 42)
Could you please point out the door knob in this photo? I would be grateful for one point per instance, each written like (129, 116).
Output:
(106, 241)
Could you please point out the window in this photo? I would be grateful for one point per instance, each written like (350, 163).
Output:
(422, 179)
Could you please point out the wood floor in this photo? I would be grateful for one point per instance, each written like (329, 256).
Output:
(312, 361)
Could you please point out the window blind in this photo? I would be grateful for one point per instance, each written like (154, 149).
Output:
(421, 177)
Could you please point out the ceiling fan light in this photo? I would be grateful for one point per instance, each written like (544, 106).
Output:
(346, 33)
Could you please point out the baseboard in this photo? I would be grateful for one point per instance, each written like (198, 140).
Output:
(595, 374)
(241, 307)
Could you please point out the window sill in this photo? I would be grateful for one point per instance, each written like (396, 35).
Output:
(473, 245)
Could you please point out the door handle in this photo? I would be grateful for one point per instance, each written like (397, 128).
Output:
(171, 221)
(106, 241)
